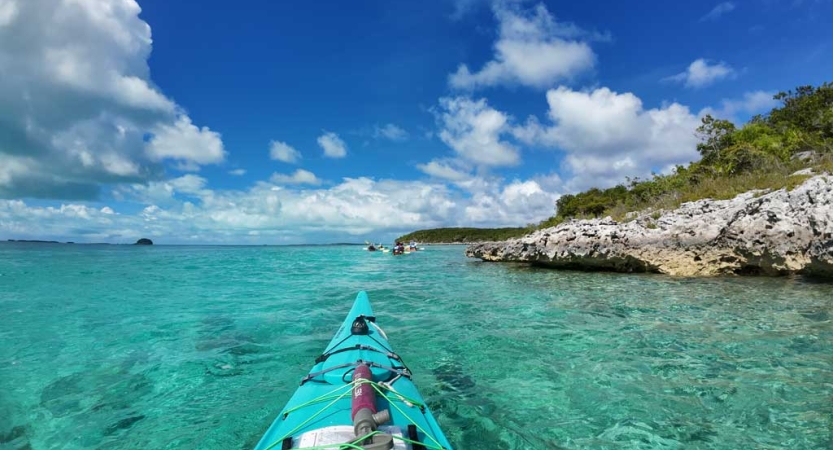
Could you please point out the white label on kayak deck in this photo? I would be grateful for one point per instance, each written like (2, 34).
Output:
(342, 433)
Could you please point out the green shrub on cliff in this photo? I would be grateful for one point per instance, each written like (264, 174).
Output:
(462, 235)
(807, 108)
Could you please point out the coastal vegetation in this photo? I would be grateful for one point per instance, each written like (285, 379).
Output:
(766, 153)
(464, 235)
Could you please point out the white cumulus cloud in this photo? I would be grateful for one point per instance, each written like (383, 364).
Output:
(701, 73)
(332, 145)
(517, 203)
(607, 135)
(751, 103)
(189, 184)
(473, 129)
(8, 12)
(719, 10)
(532, 49)
(77, 102)
(443, 171)
(186, 142)
(281, 151)
(300, 176)
(391, 132)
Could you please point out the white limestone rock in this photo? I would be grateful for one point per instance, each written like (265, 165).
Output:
(775, 233)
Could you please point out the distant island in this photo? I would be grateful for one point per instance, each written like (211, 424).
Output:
(463, 235)
(142, 241)
(35, 241)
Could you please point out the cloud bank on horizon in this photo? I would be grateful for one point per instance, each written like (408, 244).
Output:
(92, 149)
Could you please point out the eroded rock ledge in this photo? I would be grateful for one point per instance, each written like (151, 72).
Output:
(776, 233)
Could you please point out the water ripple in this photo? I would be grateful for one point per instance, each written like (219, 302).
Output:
(114, 347)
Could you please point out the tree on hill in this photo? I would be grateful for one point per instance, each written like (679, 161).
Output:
(714, 134)
(462, 235)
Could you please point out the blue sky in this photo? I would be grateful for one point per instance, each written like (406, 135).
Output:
(283, 122)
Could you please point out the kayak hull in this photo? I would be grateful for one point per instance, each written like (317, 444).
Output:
(321, 406)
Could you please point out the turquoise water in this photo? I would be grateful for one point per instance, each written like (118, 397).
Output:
(118, 347)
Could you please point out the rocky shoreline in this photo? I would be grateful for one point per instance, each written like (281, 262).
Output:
(756, 233)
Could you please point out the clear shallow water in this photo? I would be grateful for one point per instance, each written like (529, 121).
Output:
(117, 347)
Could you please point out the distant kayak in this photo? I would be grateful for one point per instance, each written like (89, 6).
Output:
(358, 395)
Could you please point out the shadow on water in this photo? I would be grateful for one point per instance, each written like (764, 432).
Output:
(108, 397)
(227, 349)
(96, 390)
(477, 421)
(122, 424)
(16, 438)
(816, 315)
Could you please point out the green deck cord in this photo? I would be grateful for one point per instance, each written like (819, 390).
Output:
(336, 398)
(301, 425)
(320, 398)
(403, 413)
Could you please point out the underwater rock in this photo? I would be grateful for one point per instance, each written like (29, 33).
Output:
(61, 397)
(756, 233)
(248, 349)
(452, 377)
(634, 431)
(122, 424)
(223, 369)
(816, 315)
(74, 393)
(12, 435)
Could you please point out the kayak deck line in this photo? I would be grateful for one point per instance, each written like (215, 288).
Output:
(378, 388)
(398, 371)
(322, 413)
(324, 356)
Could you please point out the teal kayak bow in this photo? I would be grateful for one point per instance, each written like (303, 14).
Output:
(358, 395)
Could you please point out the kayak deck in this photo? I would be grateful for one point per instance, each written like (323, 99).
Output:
(319, 413)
